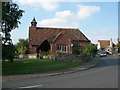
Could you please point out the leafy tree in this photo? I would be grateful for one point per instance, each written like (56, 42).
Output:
(90, 49)
(118, 45)
(10, 20)
(22, 46)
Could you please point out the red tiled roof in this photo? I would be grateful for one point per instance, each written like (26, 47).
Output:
(105, 43)
(37, 36)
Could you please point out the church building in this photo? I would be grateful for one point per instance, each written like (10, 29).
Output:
(61, 40)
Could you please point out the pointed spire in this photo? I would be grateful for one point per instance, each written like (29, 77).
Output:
(34, 20)
(33, 23)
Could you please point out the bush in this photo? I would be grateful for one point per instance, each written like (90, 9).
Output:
(118, 45)
(60, 53)
(22, 46)
(76, 50)
(90, 49)
(21, 50)
(46, 53)
(8, 52)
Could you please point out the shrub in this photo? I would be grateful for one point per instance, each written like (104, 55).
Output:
(90, 49)
(46, 53)
(118, 45)
(8, 52)
(76, 50)
(22, 46)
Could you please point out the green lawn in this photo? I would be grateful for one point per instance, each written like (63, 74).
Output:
(34, 66)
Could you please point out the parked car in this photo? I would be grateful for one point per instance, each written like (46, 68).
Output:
(103, 54)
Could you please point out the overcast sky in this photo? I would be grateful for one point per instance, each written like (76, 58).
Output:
(97, 20)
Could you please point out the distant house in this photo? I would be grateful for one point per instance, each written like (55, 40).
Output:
(55, 39)
(116, 47)
(106, 45)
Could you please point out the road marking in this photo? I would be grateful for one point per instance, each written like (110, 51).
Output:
(32, 86)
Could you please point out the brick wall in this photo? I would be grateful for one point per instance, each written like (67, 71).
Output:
(32, 28)
(61, 40)
(32, 49)
(83, 45)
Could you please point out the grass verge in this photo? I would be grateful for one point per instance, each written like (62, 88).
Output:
(34, 66)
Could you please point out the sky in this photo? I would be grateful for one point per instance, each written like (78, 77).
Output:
(97, 20)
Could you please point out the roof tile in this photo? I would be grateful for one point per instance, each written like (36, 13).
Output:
(41, 33)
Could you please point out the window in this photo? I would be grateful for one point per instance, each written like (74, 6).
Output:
(61, 48)
(77, 45)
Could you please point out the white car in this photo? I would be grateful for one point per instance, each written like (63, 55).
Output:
(102, 54)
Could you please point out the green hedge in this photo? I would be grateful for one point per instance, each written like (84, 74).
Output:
(8, 52)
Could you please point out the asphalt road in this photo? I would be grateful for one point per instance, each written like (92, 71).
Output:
(104, 75)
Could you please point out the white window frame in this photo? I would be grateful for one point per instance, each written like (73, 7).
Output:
(62, 48)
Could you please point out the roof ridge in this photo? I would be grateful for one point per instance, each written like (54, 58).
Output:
(84, 36)
(56, 28)
(57, 36)
(103, 40)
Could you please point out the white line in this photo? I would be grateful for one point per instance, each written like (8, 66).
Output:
(32, 86)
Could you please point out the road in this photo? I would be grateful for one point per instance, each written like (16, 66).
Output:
(104, 75)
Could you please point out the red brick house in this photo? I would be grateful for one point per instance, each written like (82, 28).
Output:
(55, 39)
(106, 45)
(117, 46)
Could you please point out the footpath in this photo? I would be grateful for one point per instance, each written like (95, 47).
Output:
(92, 63)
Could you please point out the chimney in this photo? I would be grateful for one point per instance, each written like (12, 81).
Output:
(111, 44)
(98, 46)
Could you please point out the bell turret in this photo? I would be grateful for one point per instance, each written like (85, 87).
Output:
(34, 23)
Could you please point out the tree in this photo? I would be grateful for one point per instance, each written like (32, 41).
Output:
(118, 45)
(76, 49)
(22, 46)
(11, 15)
(10, 19)
(8, 52)
(90, 49)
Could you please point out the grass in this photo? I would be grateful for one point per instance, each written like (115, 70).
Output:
(34, 66)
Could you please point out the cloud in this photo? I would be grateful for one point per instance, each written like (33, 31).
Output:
(53, 21)
(61, 19)
(64, 14)
(58, 22)
(48, 6)
(67, 18)
(86, 11)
